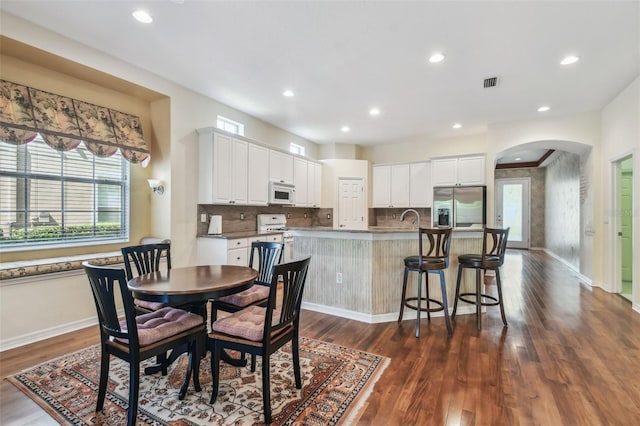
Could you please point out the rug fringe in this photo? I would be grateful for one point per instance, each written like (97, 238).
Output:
(357, 409)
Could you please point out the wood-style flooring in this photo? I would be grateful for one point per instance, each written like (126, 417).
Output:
(570, 356)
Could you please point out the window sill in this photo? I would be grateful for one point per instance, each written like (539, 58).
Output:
(27, 268)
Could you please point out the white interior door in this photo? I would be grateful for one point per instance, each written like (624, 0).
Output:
(512, 210)
(351, 205)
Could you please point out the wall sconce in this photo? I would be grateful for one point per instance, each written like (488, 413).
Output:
(156, 186)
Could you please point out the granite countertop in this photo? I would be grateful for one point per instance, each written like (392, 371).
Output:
(377, 229)
(240, 234)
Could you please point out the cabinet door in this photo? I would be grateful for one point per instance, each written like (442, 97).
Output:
(300, 179)
(222, 169)
(421, 190)
(400, 185)
(258, 175)
(381, 186)
(239, 172)
(444, 172)
(280, 167)
(471, 171)
(314, 184)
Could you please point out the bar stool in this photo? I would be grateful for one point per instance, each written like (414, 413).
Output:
(494, 246)
(433, 258)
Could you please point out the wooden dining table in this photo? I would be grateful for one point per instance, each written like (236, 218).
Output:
(191, 287)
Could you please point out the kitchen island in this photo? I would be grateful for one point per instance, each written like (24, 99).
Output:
(371, 264)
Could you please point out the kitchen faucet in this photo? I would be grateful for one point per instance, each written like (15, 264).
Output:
(407, 211)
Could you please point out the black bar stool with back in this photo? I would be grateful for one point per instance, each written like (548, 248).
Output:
(494, 246)
(433, 258)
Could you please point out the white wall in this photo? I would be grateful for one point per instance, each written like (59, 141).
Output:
(621, 137)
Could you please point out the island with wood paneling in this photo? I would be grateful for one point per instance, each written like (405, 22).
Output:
(370, 265)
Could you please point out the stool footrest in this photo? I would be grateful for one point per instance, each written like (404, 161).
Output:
(494, 302)
(425, 309)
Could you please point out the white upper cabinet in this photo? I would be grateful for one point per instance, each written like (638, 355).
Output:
(280, 167)
(307, 177)
(314, 184)
(301, 181)
(258, 185)
(391, 185)
(458, 171)
(222, 169)
(420, 188)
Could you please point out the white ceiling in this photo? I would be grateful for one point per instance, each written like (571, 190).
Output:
(342, 58)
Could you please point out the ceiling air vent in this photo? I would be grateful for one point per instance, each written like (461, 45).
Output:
(490, 82)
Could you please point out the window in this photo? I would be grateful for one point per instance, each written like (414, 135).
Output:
(61, 197)
(230, 126)
(296, 149)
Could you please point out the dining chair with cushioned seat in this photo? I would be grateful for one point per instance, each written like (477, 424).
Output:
(494, 247)
(145, 258)
(268, 254)
(139, 337)
(262, 330)
(433, 258)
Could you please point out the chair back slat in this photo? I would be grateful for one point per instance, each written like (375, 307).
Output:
(294, 276)
(104, 281)
(145, 257)
(434, 244)
(494, 246)
(269, 254)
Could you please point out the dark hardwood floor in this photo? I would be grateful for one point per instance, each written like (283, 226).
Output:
(569, 356)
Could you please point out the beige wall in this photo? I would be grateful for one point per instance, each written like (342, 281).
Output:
(41, 77)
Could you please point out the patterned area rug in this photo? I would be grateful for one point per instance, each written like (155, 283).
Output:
(335, 383)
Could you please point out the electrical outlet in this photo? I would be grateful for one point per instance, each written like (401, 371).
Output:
(338, 277)
(305, 215)
(328, 216)
(203, 218)
(241, 216)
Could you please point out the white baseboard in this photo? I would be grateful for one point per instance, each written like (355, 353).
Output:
(583, 278)
(36, 336)
(636, 307)
(378, 318)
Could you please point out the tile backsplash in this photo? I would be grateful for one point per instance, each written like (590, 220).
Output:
(391, 218)
(232, 222)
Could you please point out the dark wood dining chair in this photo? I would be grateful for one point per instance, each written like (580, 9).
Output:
(261, 331)
(494, 247)
(433, 258)
(139, 337)
(268, 255)
(145, 258)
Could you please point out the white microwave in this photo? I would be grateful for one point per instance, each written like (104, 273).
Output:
(281, 193)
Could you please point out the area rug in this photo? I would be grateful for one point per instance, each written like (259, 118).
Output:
(336, 381)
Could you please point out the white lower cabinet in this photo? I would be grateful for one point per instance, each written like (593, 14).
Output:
(234, 251)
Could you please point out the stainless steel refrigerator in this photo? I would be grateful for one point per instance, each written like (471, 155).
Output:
(460, 206)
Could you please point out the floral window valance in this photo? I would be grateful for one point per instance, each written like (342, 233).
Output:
(64, 123)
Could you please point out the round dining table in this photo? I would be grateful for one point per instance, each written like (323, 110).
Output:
(191, 287)
(192, 284)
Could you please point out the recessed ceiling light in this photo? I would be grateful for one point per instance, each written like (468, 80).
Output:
(570, 60)
(436, 57)
(345, 129)
(543, 108)
(142, 16)
(457, 126)
(518, 158)
(374, 111)
(288, 93)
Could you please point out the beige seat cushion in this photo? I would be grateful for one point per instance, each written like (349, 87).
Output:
(247, 323)
(152, 306)
(163, 323)
(253, 294)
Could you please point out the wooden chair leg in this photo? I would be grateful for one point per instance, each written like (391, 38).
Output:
(295, 351)
(455, 299)
(134, 386)
(266, 388)
(404, 293)
(253, 363)
(418, 304)
(445, 304)
(216, 354)
(499, 285)
(104, 378)
(426, 285)
(479, 298)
